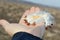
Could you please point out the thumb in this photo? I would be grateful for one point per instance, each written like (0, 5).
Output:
(3, 22)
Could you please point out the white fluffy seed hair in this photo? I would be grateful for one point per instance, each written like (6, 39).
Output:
(45, 16)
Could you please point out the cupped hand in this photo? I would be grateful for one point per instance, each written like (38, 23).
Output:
(13, 28)
(27, 12)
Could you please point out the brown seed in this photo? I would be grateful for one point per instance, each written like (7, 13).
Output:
(46, 28)
(25, 21)
(28, 24)
(51, 24)
(34, 24)
(25, 16)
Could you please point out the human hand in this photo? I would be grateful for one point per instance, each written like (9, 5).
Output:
(28, 12)
(35, 29)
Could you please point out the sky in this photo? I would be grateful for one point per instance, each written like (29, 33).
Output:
(53, 3)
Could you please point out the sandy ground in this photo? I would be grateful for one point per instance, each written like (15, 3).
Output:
(13, 13)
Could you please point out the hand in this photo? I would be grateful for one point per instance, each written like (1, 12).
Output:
(27, 12)
(35, 29)
(12, 28)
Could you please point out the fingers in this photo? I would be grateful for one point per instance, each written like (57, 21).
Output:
(27, 12)
(37, 9)
(32, 10)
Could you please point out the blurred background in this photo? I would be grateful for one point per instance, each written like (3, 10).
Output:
(12, 10)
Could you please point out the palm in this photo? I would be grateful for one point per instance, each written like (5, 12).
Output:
(27, 12)
(12, 28)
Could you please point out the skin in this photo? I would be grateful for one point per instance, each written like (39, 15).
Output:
(27, 12)
(12, 28)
